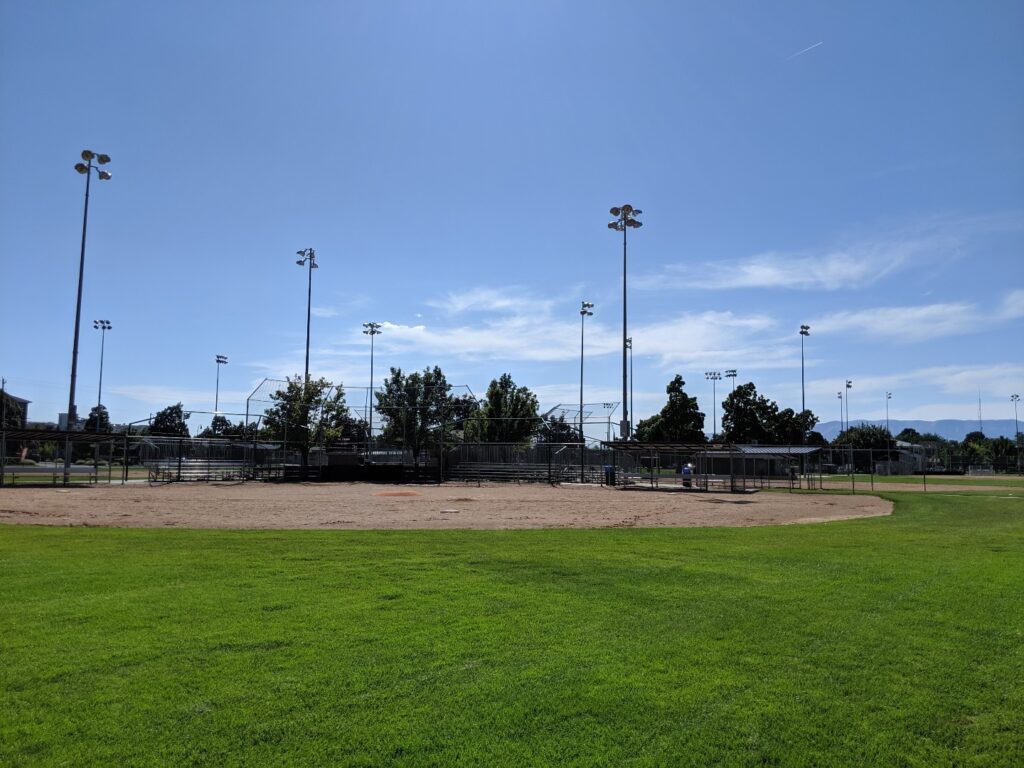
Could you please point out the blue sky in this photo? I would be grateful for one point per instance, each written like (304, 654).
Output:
(855, 166)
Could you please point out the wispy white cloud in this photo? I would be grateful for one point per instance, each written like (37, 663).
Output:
(994, 380)
(903, 324)
(324, 312)
(858, 263)
(511, 299)
(909, 324)
(805, 50)
(1012, 306)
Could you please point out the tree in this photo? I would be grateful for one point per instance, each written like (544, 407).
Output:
(419, 411)
(304, 412)
(557, 430)
(909, 435)
(680, 420)
(98, 416)
(864, 436)
(170, 421)
(10, 409)
(508, 415)
(748, 417)
(793, 428)
(220, 426)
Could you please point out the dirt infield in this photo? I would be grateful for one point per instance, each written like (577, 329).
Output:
(363, 507)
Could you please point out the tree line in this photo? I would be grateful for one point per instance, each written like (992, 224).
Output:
(419, 409)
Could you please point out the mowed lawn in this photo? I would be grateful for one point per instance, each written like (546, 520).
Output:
(885, 641)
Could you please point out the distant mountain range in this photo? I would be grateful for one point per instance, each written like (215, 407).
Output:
(950, 429)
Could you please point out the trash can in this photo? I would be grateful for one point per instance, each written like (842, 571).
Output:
(609, 475)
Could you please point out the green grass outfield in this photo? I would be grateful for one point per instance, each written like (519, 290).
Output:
(875, 642)
(1007, 481)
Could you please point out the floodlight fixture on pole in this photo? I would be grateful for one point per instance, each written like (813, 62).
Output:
(102, 326)
(888, 397)
(625, 219)
(221, 360)
(714, 377)
(585, 307)
(86, 169)
(805, 330)
(730, 373)
(1016, 429)
(371, 329)
(840, 396)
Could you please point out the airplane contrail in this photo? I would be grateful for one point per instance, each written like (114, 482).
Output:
(805, 50)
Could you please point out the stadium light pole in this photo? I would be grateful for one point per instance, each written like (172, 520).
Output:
(85, 168)
(713, 377)
(371, 329)
(307, 258)
(1016, 429)
(849, 386)
(585, 307)
(840, 396)
(730, 373)
(221, 360)
(805, 330)
(625, 218)
(102, 326)
(888, 397)
(629, 346)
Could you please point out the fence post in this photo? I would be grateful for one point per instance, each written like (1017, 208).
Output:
(853, 477)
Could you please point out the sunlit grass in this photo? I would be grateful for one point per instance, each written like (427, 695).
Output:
(884, 641)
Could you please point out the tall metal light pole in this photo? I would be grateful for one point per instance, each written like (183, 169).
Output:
(85, 168)
(585, 307)
(805, 330)
(713, 377)
(888, 397)
(221, 360)
(840, 396)
(629, 346)
(371, 329)
(307, 256)
(625, 218)
(1016, 429)
(102, 326)
(849, 385)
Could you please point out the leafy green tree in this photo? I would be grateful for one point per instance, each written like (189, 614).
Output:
(557, 430)
(792, 428)
(419, 410)
(976, 437)
(10, 409)
(508, 415)
(303, 413)
(221, 426)
(864, 436)
(680, 420)
(909, 435)
(98, 416)
(170, 421)
(748, 417)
